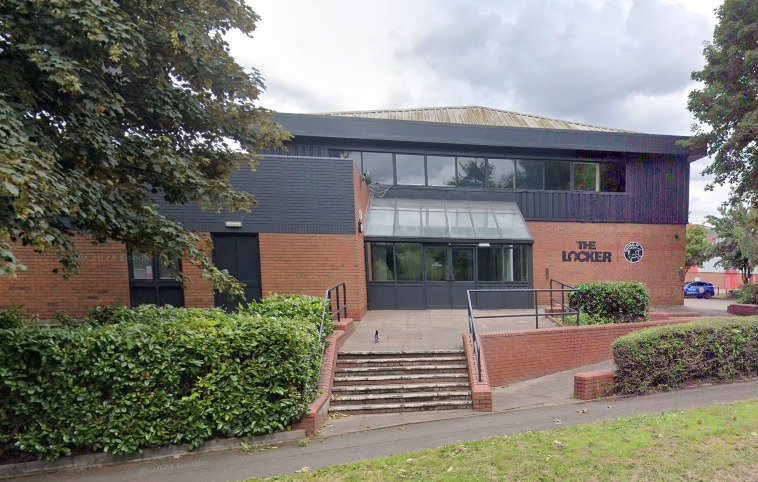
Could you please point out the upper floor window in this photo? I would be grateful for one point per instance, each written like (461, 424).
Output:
(488, 173)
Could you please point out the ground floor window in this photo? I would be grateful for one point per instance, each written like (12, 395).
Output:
(153, 280)
(406, 275)
(435, 262)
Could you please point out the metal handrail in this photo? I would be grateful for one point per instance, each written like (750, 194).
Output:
(553, 301)
(475, 337)
(472, 318)
(339, 311)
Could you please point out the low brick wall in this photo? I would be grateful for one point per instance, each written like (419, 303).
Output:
(592, 385)
(318, 411)
(742, 310)
(513, 356)
(481, 392)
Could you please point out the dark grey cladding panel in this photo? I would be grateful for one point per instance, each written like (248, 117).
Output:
(295, 195)
(309, 126)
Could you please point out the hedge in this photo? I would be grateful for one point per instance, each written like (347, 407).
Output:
(611, 301)
(152, 377)
(292, 306)
(667, 357)
(748, 294)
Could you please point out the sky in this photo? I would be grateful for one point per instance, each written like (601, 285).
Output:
(615, 63)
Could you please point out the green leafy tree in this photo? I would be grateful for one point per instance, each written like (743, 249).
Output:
(727, 104)
(698, 247)
(736, 239)
(106, 106)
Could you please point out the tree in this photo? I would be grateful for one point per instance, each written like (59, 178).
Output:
(107, 105)
(728, 102)
(736, 239)
(698, 246)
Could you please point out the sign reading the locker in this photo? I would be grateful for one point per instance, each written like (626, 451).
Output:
(587, 253)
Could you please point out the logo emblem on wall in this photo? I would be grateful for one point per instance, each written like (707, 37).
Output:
(633, 252)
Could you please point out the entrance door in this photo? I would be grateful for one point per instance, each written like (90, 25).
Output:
(437, 276)
(240, 255)
(463, 277)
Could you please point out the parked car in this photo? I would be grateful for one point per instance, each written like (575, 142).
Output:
(701, 289)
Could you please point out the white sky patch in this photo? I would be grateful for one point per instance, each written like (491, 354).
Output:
(616, 63)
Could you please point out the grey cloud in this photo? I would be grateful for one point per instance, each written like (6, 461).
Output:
(567, 59)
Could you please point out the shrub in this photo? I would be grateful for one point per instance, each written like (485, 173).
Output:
(152, 377)
(13, 317)
(620, 301)
(305, 307)
(666, 357)
(748, 294)
(591, 319)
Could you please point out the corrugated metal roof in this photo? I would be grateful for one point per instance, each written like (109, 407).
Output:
(474, 115)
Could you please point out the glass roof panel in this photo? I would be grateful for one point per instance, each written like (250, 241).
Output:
(380, 222)
(445, 219)
(513, 226)
(484, 224)
(434, 223)
(408, 223)
(460, 223)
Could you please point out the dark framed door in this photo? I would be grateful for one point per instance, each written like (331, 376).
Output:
(463, 263)
(239, 254)
(437, 276)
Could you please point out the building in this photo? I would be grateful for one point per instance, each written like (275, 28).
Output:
(413, 207)
(722, 279)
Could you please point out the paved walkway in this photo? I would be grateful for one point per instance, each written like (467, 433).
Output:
(395, 439)
(431, 329)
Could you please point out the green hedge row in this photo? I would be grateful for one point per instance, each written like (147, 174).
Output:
(147, 377)
(672, 356)
(611, 301)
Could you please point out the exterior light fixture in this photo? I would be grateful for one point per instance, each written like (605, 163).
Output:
(233, 224)
(484, 245)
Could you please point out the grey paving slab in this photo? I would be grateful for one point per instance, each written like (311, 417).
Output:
(712, 307)
(431, 329)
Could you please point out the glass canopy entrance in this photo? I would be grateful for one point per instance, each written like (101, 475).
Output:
(445, 219)
(425, 254)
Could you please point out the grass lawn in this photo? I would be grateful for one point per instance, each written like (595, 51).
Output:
(713, 443)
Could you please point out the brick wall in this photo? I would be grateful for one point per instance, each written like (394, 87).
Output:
(592, 385)
(521, 355)
(311, 263)
(197, 291)
(664, 251)
(102, 280)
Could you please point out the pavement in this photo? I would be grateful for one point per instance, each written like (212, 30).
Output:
(408, 330)
(712, 307)
(395, 439)
(538, 404)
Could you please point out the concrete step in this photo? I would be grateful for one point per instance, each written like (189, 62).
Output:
(349, 355)
(436, 360)
(401, 387)
(400, 370)
(400, 381)
(409, 378)
(384, 398)
(402, 407)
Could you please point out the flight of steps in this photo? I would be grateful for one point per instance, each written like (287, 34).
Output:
(384, 382)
